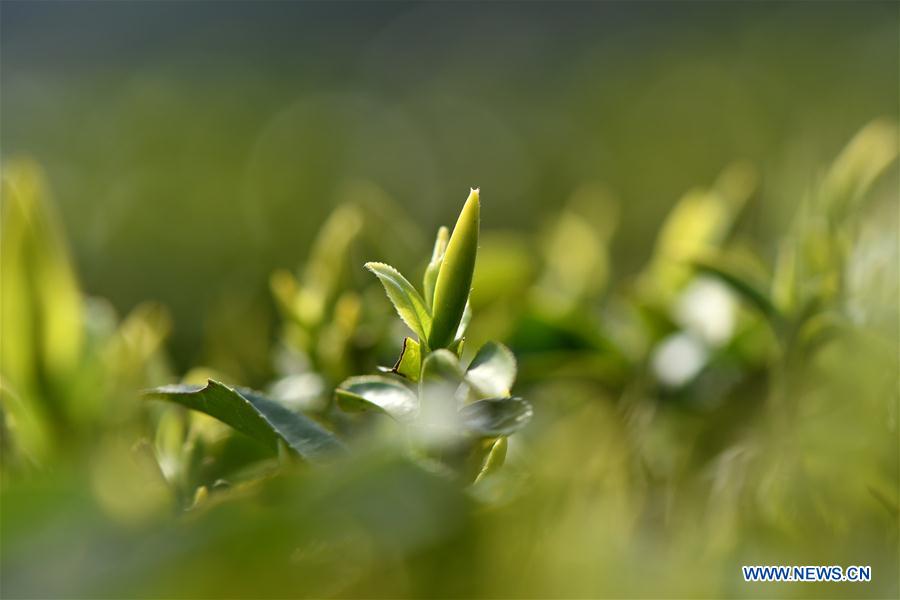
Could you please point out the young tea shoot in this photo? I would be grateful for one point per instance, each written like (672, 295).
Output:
(459, 415)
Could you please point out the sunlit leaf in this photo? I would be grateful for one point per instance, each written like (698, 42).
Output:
(434, 267)
(493, 370)
(458, 346)
(697, 224)
(255, 416)
(860, 163)
(410, 362)
(454, 281)
(40, 302)
(404, 297)
(576, 249)
(463, 324)
(327, 264)
(494, 459)
(496, 417)
(25, 433)
(373, 392)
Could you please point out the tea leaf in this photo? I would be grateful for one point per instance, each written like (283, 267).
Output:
(441, 378)
(442, 365)
(742, 284)
(434, 267)
(858, 166)
(438, 422)
(463, 326)
(697, 225)
(496, 417)
(326, 267)
(454, 281)
(404, 297)
(255, 416)
(40, 301)
(410, 362)
(495, 458)
(372, 392)
(493, 370)
(576, 249)
(457, 346)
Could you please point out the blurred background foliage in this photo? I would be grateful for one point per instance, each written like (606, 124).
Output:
(689, 239)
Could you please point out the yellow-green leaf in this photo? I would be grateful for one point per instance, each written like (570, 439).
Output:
(410, 362)
(434, 267)
(493, 370)
(454, 280)
(495, 458)
(404, 297)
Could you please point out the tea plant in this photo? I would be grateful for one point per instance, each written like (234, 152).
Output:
(70, 366)
(458, 416)
(330, 326)
(393, 478)
(462, 415)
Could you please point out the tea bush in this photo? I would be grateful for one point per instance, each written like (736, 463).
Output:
(730, 403)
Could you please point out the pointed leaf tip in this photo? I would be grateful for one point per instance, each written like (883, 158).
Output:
(454, 280)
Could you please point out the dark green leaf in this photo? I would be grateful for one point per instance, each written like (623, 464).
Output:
(496, 417)
(256, 416)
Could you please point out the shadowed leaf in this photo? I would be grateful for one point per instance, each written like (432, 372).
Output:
(255, 416)
(496, 417)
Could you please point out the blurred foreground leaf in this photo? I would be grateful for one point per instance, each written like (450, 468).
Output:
(495, 458)
(860, 164)
(742, 283)
(41, 316)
